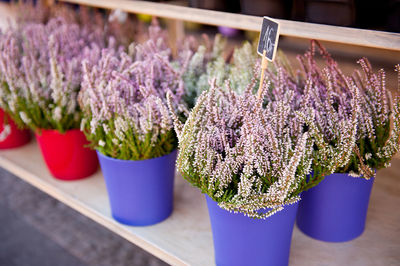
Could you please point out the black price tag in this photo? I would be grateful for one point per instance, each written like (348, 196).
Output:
(268, 38)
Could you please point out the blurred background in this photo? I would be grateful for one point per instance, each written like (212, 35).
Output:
(366, 14)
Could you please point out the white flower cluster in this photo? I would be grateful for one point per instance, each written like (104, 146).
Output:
(206, 64)
(242, 154)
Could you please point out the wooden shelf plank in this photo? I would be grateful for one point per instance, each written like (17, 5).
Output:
(345, 35)
(171, 240)
(185, 238)
(7, 15)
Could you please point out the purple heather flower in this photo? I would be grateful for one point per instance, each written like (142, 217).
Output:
(40, 71)
(242, 154)
(126, 92)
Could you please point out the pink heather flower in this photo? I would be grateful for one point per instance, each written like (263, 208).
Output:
(40, 73)
(242, 154)
(123, 97)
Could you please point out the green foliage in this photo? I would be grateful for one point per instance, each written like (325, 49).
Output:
(207, 65)
(26, 112)
(131, 147)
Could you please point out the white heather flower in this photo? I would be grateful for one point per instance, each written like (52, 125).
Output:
(119, 134)
(71, 106)
(121, 124)
(388, 164)
(106, 128)
(12, 105)
(24, 118)
(93, 126)
(368, 156)
(353, 174)
(115, 141)
(6, 132)
(57, 113)
(101, 143)
(83, 124)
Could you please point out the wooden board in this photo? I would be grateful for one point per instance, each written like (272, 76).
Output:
(6, 15)
(369, 38)
(171, 240)
(185, 238)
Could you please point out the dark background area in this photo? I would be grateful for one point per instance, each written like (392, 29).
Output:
(381, 15)
(367, 14)
(37, 230)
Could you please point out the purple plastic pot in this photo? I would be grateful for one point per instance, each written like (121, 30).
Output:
(240, 240)
(336, 209)
(140, 192)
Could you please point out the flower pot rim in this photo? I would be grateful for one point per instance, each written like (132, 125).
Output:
(126, 161)
(262, 209)
(356, 177)
(55, 131)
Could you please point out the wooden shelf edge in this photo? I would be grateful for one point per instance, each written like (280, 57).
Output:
(85, 210)
(336, 34)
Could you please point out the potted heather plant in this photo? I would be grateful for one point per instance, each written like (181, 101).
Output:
(11, 135)
(40, 65)
(200, 63)
(128, 123)
(208, 62)
(285, 101)
(331, 122)
(336, 209)
(244, 158)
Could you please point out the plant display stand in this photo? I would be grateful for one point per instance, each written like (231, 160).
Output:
(185, 238)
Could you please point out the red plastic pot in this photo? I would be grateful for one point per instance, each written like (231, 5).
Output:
(66, 155)
(17, 137)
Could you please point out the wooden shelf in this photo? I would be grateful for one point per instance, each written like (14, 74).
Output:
(177, 240)
(345, 35)
(185, 238)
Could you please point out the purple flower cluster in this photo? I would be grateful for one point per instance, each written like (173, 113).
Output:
(320, 107)
(116, 23)
(335, 98)
(40, 73)
(250, 153)
(123, 98)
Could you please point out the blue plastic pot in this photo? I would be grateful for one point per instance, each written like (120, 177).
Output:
(336, 209)
(140, 192)
(240, 240)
